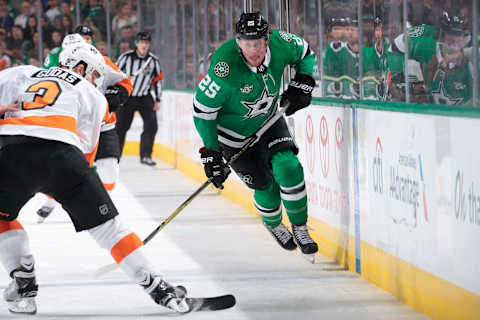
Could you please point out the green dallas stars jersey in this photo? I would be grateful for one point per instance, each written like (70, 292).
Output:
(233, 100)
(52, 59)
(341, 66)
(452, 84)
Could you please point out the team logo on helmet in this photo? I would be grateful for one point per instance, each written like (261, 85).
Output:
(221, 69)
(416, 32)
(285, 36)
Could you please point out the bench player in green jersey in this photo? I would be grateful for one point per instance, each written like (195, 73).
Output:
(452, 79)
(342, 76)
(234, 99)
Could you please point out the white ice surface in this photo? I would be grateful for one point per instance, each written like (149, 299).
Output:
(212, 247)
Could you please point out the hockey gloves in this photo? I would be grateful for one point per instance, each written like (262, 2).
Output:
(116, 96)
(298, 93)
(215, 167)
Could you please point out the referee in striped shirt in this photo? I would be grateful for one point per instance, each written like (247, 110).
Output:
(143, 68)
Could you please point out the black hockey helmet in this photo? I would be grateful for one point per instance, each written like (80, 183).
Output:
(84, 31)
(252, 25)
(143, 35)
(451, 23)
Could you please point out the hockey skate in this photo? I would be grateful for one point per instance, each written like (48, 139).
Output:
(43, 213)
(21, 292)
(283, 236)
(163, 293)
(307, 246)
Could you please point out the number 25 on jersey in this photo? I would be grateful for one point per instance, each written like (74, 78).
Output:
(209, 87)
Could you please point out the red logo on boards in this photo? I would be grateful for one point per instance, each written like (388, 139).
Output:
(310, 146)
(324, 147)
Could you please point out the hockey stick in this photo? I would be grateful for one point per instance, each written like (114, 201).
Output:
(143, 67)
(251, 141)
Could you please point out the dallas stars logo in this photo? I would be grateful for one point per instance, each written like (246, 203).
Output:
(260, 106)
(440, 96)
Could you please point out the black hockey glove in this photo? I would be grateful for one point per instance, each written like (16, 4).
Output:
(215, 166)
(298, 93)
(116, 96)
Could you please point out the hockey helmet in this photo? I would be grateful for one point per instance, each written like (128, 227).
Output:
(72, 39)
(252, 25)
(143, 35)
(84, 31)
(87, 54)
(451, 23)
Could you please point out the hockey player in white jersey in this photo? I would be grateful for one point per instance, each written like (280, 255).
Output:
(46, 146)
(116, 88)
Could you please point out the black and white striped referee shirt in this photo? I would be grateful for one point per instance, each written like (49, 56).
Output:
(144, 72)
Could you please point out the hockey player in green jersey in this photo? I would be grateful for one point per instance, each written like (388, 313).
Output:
(344, 66)
(52, 59)
(232, 102)
(452, 79)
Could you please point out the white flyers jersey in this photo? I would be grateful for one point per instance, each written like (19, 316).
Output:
(55, 104)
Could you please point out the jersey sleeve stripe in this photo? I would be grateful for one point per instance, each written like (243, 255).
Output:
(204, 115)
(231, 133)
(204, 108)
(58, 121)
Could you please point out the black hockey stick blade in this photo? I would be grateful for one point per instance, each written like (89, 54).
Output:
(211, 303)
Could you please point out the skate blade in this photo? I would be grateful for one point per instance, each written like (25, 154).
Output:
(23, 306)
(309, 257)
(40, 220)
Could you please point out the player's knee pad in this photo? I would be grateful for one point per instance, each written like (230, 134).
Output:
(287, 169)
(108, 171)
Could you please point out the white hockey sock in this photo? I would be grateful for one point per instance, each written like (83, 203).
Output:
(13, 244)
(123, 244)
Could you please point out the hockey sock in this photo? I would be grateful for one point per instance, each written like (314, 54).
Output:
(267, 202)
(124, 245)
(50, 202)
(13, 244)
(108, 171)
(288, 173)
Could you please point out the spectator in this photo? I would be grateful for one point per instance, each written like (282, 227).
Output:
(57, 38)
(66, 24)
(5, 61)
(6, 21)
(26, 11)
(124, 17)
(32, 49)
(102, 47)
(124, 46)
(16, 43)
(31, 28)
(65, 8)
(126, 34)
(96, 15)
(53, 10)
(3, 35)
(47, 29)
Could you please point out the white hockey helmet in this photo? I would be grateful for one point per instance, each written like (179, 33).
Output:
(74, 54)
(71, 39)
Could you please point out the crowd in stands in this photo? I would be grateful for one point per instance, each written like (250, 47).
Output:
(20, 41)
(440, 69)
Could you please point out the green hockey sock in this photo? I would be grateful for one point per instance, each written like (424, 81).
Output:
(267, 202)
(288, 173)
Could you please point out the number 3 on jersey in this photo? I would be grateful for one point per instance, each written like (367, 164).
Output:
(44, 93)
(209, 87)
